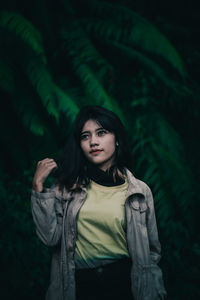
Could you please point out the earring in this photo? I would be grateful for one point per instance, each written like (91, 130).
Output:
(117, 144)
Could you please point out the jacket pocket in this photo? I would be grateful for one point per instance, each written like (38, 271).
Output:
(140, 207)
(139, 204)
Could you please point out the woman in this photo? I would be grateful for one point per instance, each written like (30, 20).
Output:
(97, 216)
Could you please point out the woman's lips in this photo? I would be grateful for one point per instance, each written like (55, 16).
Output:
(96, 152)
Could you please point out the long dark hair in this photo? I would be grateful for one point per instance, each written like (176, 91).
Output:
(72, 167)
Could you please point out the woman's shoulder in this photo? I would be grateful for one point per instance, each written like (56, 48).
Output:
(60, 192)
(139, 184)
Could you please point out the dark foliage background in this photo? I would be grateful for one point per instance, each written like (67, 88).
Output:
(140, 59)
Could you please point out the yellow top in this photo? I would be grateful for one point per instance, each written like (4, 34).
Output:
(100, 226)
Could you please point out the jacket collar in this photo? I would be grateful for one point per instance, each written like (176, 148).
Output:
(134, 186)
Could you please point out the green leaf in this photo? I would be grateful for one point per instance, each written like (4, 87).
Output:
(23, 30)
(85, 58)
(97, 92)
(153, 67)
(129, 28)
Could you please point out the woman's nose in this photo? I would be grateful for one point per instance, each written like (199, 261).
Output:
(93, 140)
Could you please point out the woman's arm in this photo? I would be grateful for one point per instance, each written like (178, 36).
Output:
(155, 248)
(47, 214)
(46, 205)
(154, 244)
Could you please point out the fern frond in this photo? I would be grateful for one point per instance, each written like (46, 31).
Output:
(135, 31)
(96, 91)
(43, 84)
(153, 67)
(30, 41)
(151, 174)
(65, 104)
(79, 47)
(88, 64)
(161, 156)
(53, 98)
(23, 30)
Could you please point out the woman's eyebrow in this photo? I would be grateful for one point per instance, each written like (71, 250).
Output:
(89, 131)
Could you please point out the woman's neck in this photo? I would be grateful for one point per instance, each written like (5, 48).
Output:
(103, 177)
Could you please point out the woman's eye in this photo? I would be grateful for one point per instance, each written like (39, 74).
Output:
(101, 132)
(84, 137)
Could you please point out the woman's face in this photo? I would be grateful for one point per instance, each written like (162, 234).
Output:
(98, 144)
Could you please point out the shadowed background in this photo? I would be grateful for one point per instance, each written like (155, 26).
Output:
(139, 59)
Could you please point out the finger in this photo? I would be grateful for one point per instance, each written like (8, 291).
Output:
(51, 165)
(49, 162)
(47, 159)
(54, 168)
(42, 161)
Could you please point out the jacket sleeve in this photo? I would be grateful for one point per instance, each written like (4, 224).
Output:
(155, 247)
(47, 214)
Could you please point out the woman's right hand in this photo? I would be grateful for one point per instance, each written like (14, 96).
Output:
(44, 168)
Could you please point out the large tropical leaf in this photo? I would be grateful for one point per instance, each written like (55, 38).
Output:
(152, 66)
(96, 91)
(131, 29)
(90, 67)
(22, 30)
(160, 153)
(28, 38)
(79, 46)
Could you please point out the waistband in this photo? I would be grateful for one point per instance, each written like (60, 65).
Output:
(119, 265)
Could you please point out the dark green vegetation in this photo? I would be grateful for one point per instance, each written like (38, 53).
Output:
(56, 56)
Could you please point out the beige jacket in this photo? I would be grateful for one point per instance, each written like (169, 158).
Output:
(54, 214)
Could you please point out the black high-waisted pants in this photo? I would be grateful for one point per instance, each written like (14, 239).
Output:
(109, 282)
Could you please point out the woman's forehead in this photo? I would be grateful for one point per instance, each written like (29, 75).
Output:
(91, 124)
